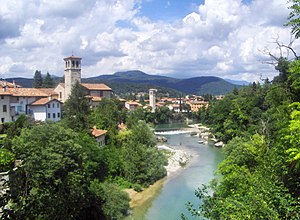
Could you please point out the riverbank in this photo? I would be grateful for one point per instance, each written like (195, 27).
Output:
(204, 134)
(177, 159)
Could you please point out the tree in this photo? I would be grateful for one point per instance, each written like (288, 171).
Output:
(294, 136)
(162, 114)
(61, 177)
(48, 81)
(294, 17)
(76, 109)
(37, 80)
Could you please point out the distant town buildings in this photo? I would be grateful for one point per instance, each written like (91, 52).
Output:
(131, 105)
(44, 104)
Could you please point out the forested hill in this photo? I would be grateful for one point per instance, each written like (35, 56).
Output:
(197, 85)
(137, 81)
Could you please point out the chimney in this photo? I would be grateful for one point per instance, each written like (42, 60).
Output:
(14, 83)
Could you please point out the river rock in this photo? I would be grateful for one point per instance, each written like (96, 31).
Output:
(161, 139)
(219, 144)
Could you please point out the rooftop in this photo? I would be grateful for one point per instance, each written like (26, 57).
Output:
(98, 132)
(43, 101)
(98, 86)
(32, 92)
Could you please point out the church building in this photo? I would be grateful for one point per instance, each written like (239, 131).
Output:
(72, 74)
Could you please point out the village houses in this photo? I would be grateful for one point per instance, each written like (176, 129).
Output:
(44, 104)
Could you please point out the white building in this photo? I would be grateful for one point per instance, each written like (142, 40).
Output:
(5, 113)
(131, 105)
(45, 109)
(99, 135)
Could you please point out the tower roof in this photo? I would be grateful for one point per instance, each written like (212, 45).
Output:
(72, 58)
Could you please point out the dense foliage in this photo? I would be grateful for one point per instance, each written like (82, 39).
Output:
(259, 179)
(62, 171)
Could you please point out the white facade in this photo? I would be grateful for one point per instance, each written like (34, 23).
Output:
(19, 103)
(5, 115)
(152, 99)
(50, 111)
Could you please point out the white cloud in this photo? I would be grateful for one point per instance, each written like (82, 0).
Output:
(223, 38)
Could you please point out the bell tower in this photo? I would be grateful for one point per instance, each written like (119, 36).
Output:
(72, 73)
(152, 99)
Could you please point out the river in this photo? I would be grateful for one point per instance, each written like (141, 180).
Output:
(176, 190)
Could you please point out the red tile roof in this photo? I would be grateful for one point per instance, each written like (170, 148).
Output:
(98, 132)
(32, 92)
(98, 86)
(4, 83)
(43, 101)
(5, 93)
(133, 103)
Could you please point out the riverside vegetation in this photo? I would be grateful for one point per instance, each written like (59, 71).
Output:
(64, 174)
(260, 177)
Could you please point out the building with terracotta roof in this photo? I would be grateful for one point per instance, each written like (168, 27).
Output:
(45, 109)
(131, 105)
(72, 72)
(5, 114)
(196, 105)
(99, 135)
(5, 84)
(15, 100)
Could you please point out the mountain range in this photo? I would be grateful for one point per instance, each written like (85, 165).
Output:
(138, 81)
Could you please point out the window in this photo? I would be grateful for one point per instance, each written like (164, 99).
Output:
(49, 116)
(2, 120)
(58, 115)
(60, 95)
(49, 106)
(4, 108)
(53, 115)
(53, 105)
(57, 105)
(2, 97)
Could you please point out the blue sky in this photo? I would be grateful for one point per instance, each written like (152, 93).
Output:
(185, 38)
(172, 9)
(168, 10)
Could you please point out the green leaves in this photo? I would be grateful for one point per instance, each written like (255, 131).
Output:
(77, 109)
(294, 136)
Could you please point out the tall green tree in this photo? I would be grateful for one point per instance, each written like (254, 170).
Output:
(48, 81)
(53, 182)
(37, 80)
(76, 109)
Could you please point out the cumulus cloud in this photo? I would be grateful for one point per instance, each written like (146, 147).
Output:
(223, 38)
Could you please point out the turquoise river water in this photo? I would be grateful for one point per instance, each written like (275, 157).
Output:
(179, 188)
